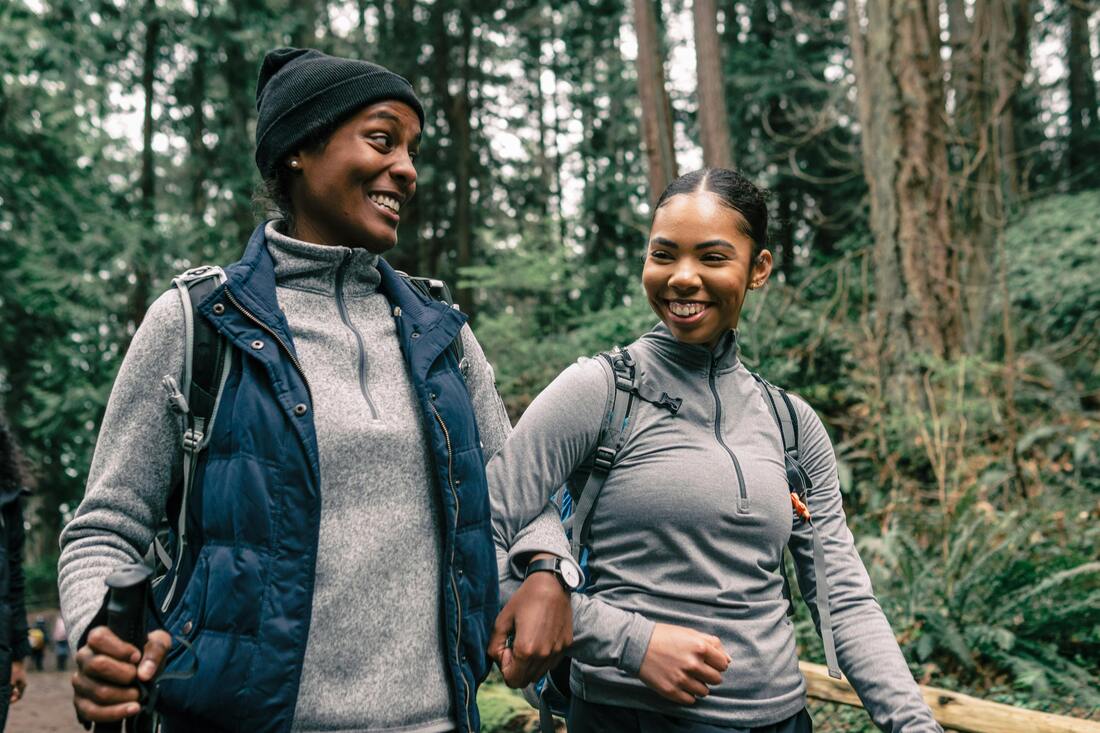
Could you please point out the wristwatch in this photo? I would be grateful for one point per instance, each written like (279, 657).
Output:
(566, 572)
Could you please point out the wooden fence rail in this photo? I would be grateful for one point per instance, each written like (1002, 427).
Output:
(954, 710)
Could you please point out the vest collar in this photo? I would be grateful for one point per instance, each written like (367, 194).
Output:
(251, 280)
(426, 326)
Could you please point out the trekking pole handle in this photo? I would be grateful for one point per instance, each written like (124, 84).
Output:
(126, 602)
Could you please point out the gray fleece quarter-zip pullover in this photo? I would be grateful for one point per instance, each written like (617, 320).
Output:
(689, 529)
(374, 658)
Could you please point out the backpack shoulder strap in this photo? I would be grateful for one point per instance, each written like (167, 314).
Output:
(206, 366)
(799, 484)
(782, 410)
(621, 371)
(437, 290)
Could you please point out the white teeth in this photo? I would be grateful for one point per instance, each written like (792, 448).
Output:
(685, 310)
(387, 201)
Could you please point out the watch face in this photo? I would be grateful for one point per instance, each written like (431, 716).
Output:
(570, 575)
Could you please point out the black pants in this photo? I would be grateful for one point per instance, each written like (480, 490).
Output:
(590, 717)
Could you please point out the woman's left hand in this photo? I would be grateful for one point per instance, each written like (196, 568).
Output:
(18, 681)
(539, 619)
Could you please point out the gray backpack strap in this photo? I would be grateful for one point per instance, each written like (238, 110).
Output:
(799, 484)
(203, 383)
(620, 370)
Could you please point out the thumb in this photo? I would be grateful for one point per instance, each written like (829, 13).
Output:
(716, 656)
(498, 640)
(509, 669)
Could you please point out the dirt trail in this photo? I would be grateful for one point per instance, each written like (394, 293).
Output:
(47, 706)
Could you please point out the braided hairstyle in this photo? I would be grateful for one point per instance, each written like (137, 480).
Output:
(733, 190)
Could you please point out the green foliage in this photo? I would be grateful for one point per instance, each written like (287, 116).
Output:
(1054, 262)
(503, 710)
(40, 577)
(526, 360)
(1014, 592)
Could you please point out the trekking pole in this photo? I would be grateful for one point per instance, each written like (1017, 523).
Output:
(126, 603)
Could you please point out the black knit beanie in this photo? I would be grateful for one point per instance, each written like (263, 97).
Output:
(301, 91)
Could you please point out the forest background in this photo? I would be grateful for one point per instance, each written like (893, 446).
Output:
(935, 169)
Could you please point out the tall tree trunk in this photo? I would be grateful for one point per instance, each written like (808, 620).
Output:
(713, 119)
(139, 296)
(987, 78)
(1016, 67)
(456, 108)
(901, 106)
(1084, 130)
(555, 31)
(542, 149)
(238, 142)
(197, 146)
(656, 109)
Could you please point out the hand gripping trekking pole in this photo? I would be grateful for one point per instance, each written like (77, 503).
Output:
(127, 601)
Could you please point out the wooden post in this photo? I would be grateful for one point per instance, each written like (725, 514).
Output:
(953, 709)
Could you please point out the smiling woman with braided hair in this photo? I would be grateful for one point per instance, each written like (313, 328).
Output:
(683, 625)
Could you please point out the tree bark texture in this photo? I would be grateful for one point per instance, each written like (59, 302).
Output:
(901, 104)
(714, 125)
(989, 76)
(656, 109)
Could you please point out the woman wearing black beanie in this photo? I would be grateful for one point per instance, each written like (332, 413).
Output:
(333, 566)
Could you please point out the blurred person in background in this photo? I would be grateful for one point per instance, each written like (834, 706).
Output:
(38, 637)
(61, 644)
(14, 642)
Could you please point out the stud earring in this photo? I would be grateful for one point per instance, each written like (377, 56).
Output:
(294, 163)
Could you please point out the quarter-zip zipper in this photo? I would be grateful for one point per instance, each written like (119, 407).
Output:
(742, 491)
(293, 359)
(341, 272)
(451, 573)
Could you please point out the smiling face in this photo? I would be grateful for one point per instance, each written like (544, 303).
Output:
(350, 190)
(699, 267)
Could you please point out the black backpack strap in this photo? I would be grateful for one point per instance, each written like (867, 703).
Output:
(799, 484)
(437, 290)
(206, 366)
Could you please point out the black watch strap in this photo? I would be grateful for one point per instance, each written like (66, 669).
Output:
(548, 565)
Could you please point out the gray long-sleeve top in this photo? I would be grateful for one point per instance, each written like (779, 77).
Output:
(676, 538)
(374, 656)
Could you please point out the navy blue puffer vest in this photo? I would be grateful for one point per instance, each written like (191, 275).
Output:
(253, 527)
